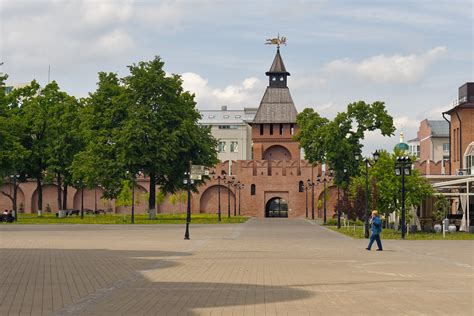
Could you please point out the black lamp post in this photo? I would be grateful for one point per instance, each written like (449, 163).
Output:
(311, 185)
(324, 180)
(238, 186)
(218, 177)
(368, 163)
(339, 203)
(306, 188)
(80, 186)
(229, 180)
(133, 199)
(15, 212)
(188, 182)
(403, 168)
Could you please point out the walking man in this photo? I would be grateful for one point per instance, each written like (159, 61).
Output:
(376, 230)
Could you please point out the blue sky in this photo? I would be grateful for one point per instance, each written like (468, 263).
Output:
(411, 54)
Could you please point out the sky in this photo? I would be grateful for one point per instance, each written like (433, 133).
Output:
(413, 55)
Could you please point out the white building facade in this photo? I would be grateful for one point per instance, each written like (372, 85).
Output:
(231, 129)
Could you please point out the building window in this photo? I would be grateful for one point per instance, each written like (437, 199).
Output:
(221, 147)
(301, 186)
(234, 147)
(238, 116)
(261, 129)
(292, 129)
(469, 158)
(211, 116)
(281, 129)
(252, 189)
(226, 116)
(228, 126)
(271, 129)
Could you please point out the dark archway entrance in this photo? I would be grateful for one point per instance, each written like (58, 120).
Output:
(276, 207)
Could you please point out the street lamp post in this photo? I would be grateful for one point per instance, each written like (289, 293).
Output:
(306, 188)
(80, 186)
(229, 181)
(324, 180)
(218, 178)
(188, 182)
(368, 163)
(238, 186)
(311, 185)
(339, 203)
(403, 168)
(338, 209)
(133, 199)
(15, 212)
(235, 198)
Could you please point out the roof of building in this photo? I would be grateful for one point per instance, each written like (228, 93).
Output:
(439, 128)
(276, 107)
(221, 117)
(277, 66)
(413, 140)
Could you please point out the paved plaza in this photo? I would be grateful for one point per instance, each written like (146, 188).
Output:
(262, 267)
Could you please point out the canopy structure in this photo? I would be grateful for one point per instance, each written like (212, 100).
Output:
(462, 188)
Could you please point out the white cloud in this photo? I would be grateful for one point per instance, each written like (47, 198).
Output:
(246, 93)
(388, 69)
(100, 12)
(403, 122)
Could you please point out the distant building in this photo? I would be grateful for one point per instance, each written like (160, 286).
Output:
(433, 136)
(414, 147)
(461, 131)
(10, 87)
(231, 129)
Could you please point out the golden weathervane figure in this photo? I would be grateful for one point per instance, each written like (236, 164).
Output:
(276, 41)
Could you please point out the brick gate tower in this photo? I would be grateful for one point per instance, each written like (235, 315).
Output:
(275, 122)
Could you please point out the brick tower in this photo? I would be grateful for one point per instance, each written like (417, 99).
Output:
(275, 122)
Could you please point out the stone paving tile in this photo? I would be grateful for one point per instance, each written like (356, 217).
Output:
(263, 267)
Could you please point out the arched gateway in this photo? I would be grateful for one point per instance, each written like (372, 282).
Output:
(276, 207)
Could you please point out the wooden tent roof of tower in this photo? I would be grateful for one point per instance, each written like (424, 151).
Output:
(277, 105)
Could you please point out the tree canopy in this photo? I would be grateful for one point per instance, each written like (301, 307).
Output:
(337, 142)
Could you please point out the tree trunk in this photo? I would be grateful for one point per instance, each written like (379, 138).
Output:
(59, 190)
(39, 189)
(152, 198)
(64, 195)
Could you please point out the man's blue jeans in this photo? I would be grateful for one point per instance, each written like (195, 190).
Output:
(375, 237)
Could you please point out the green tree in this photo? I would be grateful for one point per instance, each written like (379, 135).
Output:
(338, 142)
(162, 134)
(103, 115)
(388, 185)
(65, 142)
(13, 137)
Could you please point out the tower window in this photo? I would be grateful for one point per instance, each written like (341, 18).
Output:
(292, 129)
(281, 129)
(274, 78)
(281, 79)
(261, 129)
(301, 186)
(252, 189)
(271, 129)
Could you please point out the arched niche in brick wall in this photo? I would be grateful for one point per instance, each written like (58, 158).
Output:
(277, 152)
(209, 202)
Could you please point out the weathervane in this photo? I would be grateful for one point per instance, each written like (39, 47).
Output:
(276, 41)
